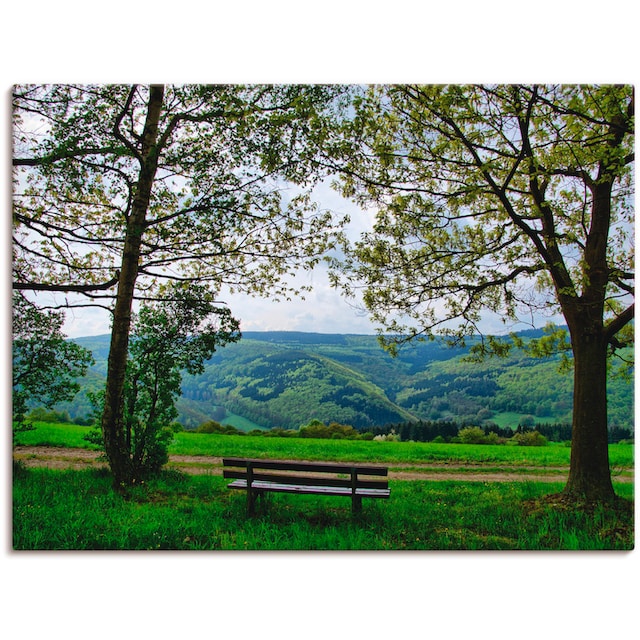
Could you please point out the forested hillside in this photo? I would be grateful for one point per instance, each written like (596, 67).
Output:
(287, 379)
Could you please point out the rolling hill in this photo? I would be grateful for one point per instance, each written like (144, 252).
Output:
(287, 379)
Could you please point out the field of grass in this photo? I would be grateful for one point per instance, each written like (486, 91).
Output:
(387, 452)
(512, 419)
(241, 423)
(65, 509)
(50, 434)
(78, 510)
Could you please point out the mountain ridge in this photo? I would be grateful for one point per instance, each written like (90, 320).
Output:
(288, 378)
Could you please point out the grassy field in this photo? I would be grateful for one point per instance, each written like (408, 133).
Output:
(64, 509)
(198, 444)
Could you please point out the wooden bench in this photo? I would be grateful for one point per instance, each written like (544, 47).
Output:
(326, 478)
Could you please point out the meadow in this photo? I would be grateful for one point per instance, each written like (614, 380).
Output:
(77, 509)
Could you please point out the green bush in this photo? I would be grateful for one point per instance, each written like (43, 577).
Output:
(472, 435)
(211, 426)
(335, 431)
(475, 435)
(156, 453)
(529, 439)
(40, 414)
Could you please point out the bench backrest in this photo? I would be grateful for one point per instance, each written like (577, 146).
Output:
(320, 473)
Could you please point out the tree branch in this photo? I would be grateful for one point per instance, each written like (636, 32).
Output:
(618, 323)
(80, 288)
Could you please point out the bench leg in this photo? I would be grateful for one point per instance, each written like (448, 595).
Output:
(251, 502)
(356, 504)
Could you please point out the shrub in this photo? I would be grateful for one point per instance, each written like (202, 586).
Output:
(392, 436)
(472, 435)
(529, 439)
(279, 432)
(155, 454)
(40, 414)
(210, 426)
(492, 438)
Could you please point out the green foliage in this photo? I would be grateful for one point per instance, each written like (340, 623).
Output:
(175, 335)
(529, 439)
(485, 200)
(471, 435)
(317, 429)
(40, 414)
(214, 162)
(46, 366)
(211, 426)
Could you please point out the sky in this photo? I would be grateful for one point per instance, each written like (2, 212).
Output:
(321, 310)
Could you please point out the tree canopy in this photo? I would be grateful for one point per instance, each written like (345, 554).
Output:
(117, 188)
(219, 210)
(508, 198)
(485, 202)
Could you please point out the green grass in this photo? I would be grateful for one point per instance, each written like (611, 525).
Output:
(512, 419)
(383, 452)
(50, 434)
(197, 444)
(241, 423)
(78, 510)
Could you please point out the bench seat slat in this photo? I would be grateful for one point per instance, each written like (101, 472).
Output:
(306, 480)
(296, 465)
(324, 490)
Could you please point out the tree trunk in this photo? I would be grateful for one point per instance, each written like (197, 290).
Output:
(589, 473)
(113, 428)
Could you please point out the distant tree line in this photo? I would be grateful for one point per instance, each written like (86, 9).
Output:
(430, 430)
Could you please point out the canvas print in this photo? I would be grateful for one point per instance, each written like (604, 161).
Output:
(323, 317)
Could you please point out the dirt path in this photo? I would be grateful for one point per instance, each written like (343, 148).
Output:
(68, 458)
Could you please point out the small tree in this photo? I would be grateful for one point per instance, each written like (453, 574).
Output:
(45, 364)
(174, 335)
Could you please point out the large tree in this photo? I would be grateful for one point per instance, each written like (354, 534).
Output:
(512, 199)
(119, 187)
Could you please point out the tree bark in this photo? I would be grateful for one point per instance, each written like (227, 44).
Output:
(589, 472)
(113, 427)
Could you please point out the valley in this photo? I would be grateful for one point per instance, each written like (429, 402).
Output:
(287, 379)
